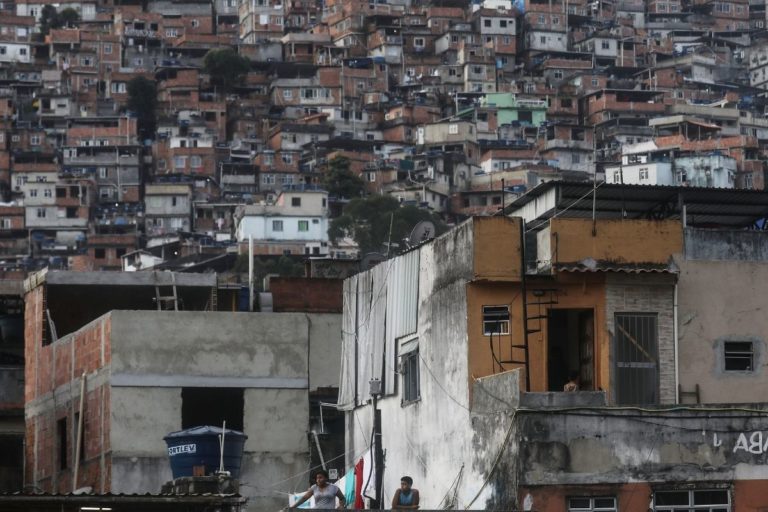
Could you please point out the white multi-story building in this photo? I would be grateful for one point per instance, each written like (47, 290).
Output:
(647, 164)
(298, 217)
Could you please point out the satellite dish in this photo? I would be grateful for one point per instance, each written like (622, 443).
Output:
(371, 260)
(423, 231)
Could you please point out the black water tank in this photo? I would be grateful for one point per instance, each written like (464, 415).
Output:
(199, 446)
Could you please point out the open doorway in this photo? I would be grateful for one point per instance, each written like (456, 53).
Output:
(570, 341)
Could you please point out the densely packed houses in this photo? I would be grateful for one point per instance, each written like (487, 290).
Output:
(116, 133)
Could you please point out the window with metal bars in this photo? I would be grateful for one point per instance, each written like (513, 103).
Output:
(738, 356)
(636, 359)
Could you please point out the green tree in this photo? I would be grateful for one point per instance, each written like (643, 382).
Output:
(226, 67)
(49, 19)
(340, 182)
(142, 101)
(68, 18)
(367, 221)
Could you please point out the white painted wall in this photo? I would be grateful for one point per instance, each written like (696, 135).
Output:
(436, 438)
(262, 227)
(541, 40)
(15, 52)
(659, 173)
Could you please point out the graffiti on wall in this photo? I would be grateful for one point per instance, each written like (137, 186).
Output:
(751, 442)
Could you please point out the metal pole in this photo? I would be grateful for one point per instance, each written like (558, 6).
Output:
(378, 452)
(524, 293)
(79, 434)
(250, 272)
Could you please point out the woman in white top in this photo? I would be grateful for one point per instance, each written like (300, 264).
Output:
(325, 493)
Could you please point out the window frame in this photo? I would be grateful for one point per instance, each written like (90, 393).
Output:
(487, 317)
(303, 224)
(410, 372)
(593, 505)
(691, 506)
(739, 354)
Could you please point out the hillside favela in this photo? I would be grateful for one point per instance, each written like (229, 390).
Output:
(500, 255)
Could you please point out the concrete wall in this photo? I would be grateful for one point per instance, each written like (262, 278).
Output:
(497, 253)
(261, 227)
(605, 449)
(722, 301)
(636, 241)
(136, 365)
(271, 355)
(728, 245)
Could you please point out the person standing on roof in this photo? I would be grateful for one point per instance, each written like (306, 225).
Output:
(325, 493)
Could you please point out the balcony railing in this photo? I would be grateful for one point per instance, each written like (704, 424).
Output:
(135, 32)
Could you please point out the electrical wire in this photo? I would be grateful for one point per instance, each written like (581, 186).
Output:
(450, 396)
(444, 503)
(370, 471)
(357, 293)
(274, 484)
(496, 460)
(635, 489)
(560, 212)
(651, 412)
(642, 419)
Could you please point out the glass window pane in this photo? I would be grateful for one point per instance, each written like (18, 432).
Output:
(672, 498)
(609, 503)
(710, 497)
(578, 504)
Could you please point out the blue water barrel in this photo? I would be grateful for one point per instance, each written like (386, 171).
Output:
(199, 446)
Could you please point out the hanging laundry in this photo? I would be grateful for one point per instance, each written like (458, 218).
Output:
(293, 498)
(359, 503)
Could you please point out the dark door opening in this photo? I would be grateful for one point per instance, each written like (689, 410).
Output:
(571, 344)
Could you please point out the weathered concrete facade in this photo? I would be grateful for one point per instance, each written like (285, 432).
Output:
(445, 266)
(633, 455)
(721, 300)
(633, 304)
(466, 390)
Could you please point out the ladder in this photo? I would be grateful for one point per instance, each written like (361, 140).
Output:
(213, 302)
(540, 297)
(167, 302)
(533, 323)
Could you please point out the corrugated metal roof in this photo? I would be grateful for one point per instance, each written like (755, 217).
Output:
(703, 207)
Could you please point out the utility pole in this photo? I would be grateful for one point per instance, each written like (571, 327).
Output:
(378, 450)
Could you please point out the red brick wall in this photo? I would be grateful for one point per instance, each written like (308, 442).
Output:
(52, 393)
(306, 295)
